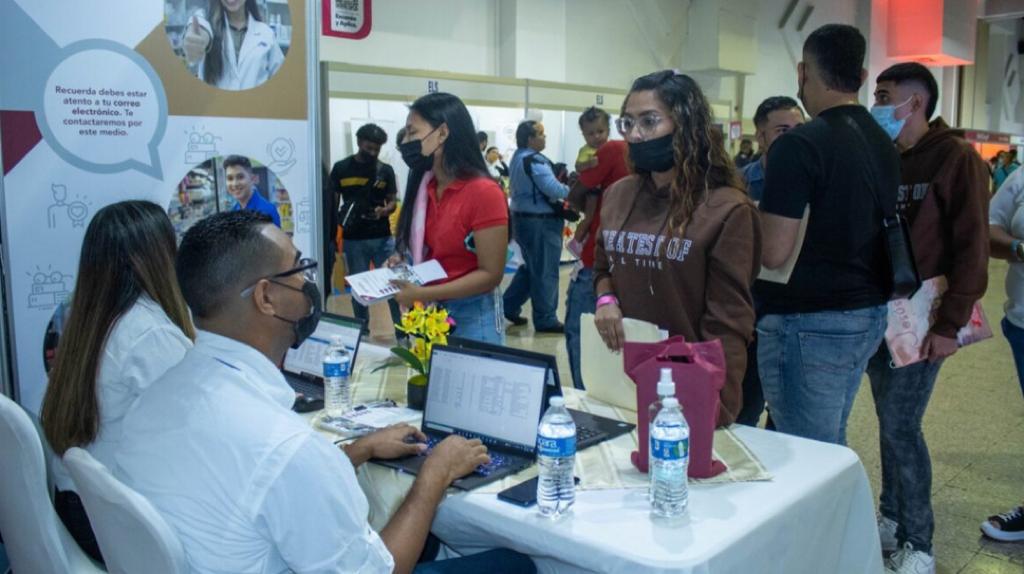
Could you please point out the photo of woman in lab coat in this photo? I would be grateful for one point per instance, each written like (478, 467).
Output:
(229, 45)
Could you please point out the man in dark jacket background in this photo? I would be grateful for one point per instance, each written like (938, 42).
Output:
(943, 194)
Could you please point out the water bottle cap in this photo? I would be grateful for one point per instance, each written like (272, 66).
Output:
(666, 387)
(556, 401)
(670, 403)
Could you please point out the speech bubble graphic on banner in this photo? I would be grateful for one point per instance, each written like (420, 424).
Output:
(104, 109)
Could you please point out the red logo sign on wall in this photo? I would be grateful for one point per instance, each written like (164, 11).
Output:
(347, 18)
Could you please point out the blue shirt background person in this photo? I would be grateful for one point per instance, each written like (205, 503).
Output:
(241, 185)
(753, 175)
(525, 197)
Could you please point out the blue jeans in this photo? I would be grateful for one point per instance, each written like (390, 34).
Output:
(901, 397)
(811, 365)
(359, 253)
(499, 561)
(478, 317)
(541, 242)
(1015, 335)
(579, 299)
(753, 394)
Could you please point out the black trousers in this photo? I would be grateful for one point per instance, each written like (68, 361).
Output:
(72, 513)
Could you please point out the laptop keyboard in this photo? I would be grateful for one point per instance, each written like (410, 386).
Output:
(307, 388)
(497, 460)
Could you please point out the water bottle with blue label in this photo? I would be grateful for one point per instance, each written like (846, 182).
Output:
(670, 457)
(337, 368)
(666, 389)
(556, 456)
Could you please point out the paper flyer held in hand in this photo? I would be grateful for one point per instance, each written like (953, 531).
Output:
(374, 286)
(910, 320)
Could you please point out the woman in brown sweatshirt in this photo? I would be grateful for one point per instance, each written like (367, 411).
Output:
(679, 243)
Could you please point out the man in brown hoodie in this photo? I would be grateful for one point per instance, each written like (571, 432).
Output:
(943, 194)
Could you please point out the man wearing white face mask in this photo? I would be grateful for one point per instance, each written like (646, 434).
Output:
(943, 194)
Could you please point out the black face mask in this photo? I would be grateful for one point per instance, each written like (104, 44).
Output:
(654, 155)
(412, 155)
(366, 158)
(305, 326)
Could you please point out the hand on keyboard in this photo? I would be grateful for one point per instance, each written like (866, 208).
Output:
(456, 457)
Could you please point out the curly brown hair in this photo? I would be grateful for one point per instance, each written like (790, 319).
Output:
(701, 161)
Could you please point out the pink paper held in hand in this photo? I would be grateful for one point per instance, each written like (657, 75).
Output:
(910, 320)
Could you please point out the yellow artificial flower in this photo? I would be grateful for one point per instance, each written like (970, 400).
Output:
(419, 349)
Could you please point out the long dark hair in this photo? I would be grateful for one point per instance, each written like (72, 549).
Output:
(699, 151)
(462, 157)
(128, 251)
(213, 65)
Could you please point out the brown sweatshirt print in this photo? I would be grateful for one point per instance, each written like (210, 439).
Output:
(944, 196)
(696, 284)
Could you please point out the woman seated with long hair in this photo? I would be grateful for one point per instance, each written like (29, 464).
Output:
(128, 324)
(680, 242)
(453, 212)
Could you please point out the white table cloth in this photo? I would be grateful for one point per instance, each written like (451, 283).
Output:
(816, 516)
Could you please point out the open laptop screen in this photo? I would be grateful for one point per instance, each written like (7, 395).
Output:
(308, 358)
(554, 382)
(489, 396)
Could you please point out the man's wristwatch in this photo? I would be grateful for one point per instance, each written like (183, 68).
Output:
(1018, 249)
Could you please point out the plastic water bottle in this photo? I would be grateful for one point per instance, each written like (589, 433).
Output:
(670, 457)
(556, 456)
(666, 388)
(337, 368)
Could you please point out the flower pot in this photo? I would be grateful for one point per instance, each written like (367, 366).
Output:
(416, 392)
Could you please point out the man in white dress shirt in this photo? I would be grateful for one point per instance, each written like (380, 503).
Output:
(247, 484)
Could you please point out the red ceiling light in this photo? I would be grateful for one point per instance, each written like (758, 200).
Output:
(932, 32)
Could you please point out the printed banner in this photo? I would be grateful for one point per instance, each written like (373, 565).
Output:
(140, 99)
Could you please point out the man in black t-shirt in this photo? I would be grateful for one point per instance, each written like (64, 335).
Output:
(818, 331)
(365, 192)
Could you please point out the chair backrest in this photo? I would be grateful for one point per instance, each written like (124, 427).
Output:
(32, 532)
(132, 535)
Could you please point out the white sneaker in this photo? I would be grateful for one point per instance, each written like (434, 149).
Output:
(887, 533)
(910, 561)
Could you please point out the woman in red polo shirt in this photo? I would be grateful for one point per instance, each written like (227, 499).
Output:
(455, 213)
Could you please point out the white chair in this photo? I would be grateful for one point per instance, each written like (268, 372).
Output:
(35, 538)
(132, 535)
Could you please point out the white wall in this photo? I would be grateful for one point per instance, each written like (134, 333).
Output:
(779, 50)
(593, 42)
(442, 35)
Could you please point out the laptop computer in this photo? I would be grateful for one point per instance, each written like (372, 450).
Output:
(493, 397)
(590, 429)
(303, 367)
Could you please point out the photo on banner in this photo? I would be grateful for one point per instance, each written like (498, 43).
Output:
(216, 185)
(230, 44)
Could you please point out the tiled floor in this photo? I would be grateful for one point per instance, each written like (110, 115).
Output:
(974, 426)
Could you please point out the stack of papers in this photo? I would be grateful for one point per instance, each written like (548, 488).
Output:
(364, 420)
(375, 286)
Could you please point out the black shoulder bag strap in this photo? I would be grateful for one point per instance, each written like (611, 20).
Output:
(904, 275)
(528, 168)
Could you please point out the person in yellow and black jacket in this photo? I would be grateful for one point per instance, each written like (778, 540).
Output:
(364, 194)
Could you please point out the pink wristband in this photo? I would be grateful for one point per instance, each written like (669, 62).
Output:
(607, 300)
